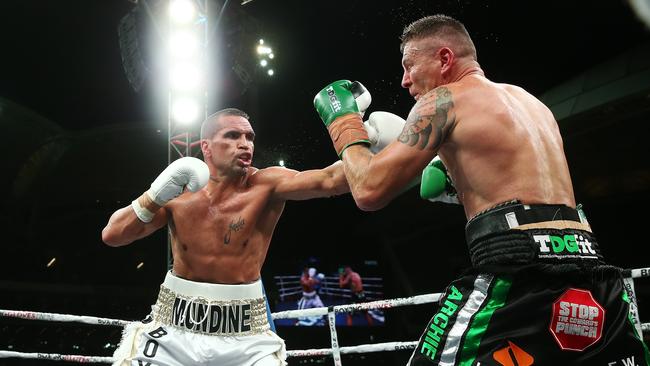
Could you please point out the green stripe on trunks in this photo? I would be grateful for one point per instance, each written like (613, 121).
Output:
(501, 287)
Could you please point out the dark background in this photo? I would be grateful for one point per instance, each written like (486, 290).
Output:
(80, 142)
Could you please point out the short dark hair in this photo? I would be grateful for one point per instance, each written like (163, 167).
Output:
(209, 126)
(441, 26)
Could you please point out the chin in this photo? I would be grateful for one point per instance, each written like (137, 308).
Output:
(241, 170)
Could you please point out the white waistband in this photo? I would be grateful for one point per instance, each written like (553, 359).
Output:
(213, 291)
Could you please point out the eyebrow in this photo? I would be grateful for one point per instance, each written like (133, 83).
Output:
(238, 131)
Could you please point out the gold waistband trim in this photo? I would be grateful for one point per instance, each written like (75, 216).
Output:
(221, 318)
(558, 224)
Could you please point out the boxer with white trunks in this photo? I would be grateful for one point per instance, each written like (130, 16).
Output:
(221, 214)
(310, 299)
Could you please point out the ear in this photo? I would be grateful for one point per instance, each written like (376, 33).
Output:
(447, 59)
(207, 154)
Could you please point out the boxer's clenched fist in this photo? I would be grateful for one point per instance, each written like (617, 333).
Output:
(187, 172)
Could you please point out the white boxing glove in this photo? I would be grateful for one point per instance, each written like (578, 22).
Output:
(383, 128)
(187, 172)
(361, 96)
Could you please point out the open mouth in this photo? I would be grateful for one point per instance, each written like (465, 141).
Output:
(245, 158)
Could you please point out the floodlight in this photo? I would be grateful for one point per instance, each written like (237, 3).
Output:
(182, 11)
(185, 110)
(184, 77)
(183, 44)
(263, 50)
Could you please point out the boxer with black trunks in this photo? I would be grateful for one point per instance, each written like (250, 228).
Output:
(539, 290)
(352, 280)
(211, 307)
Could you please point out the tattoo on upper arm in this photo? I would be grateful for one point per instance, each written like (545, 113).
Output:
(431, 115)
(235, 225)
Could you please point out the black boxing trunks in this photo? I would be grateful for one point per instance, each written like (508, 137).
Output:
(539, 293)
(358, 297)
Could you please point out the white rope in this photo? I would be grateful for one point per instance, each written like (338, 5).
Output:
(57, 357)
(640, 272)
(379, 304)
(362, 348)
(54, 317)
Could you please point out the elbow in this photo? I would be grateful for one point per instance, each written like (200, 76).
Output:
(110, 238)
(369, 200)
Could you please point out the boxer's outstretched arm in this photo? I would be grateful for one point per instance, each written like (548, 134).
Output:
(124, 227)
(375, 180)
(295, 185)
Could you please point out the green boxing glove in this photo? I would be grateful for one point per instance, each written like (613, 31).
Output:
(337, 106)
(436, 186)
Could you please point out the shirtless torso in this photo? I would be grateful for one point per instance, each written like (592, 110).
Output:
(221, 233)
(505, 145)
(351, 280)
(497, 141)
(223, 236)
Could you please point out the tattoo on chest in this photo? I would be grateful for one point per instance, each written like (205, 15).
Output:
(235, 225)
(430, 116)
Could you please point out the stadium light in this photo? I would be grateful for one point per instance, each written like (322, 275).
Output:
(182, 11)
(264, 54)
(183, 44)
(264, 50)
(185, 110)
(186, 61)
(185, 77)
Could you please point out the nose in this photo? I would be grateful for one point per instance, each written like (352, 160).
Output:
(406, 80)
(243, 143)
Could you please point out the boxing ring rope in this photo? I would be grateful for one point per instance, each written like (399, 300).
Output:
(336, 351)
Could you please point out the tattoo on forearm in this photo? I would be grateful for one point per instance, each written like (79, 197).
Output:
(235, 226)
(431, 115)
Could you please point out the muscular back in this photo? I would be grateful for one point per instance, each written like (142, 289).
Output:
(224, 238)
(506, 145)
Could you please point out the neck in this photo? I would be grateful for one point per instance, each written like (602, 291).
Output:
(226, 179)
(466, 69)
(223, 181)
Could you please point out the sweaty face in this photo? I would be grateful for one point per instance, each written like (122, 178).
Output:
(232, 145)
(421, 65)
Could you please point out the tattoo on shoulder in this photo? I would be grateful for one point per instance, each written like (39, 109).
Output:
(235, 225)
(430, 118)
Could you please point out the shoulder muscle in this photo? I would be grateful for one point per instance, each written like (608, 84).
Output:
(431, 120)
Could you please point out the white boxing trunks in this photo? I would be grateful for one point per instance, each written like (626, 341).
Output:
(196, 323)
(310, 300)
